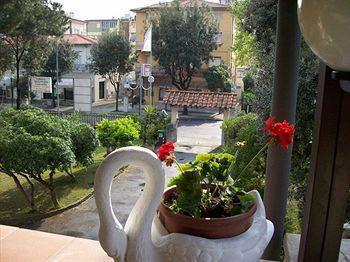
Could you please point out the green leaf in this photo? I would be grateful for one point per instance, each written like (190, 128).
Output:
(247, 201)
(203, 157)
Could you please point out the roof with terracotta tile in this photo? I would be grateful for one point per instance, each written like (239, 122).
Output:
(76, 39)
(200, 99)
(184, 3)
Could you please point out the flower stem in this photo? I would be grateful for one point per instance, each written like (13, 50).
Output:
(179, 166)
(250, 162)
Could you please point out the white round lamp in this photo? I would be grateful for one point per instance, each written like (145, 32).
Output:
(325, 25)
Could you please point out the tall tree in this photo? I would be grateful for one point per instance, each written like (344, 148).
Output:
(258, 19)
(24, 21)
(112, 57)
(182, 39)
(66, 58)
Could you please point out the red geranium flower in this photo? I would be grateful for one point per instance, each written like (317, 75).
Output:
(165, 153)
(280, 133)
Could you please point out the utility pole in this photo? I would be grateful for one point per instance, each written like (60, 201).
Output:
(57, 91)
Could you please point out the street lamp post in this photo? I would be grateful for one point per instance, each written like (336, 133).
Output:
(139, 85)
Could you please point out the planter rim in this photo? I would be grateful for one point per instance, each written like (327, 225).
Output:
(222, 219)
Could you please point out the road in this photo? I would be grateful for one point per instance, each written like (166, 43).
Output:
(194, 136)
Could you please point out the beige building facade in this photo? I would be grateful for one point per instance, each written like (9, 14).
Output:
(223, 54)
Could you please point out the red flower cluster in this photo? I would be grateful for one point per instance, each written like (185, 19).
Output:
(280, 133)
(166, 153)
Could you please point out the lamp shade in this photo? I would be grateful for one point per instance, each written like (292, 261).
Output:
(325, 25)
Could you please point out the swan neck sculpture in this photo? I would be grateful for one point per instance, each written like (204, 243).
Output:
(137, 234)
(144, 238)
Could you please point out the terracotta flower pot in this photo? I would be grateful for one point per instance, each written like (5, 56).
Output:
(212, 228)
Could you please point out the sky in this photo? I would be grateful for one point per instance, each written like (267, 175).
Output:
(98, 9)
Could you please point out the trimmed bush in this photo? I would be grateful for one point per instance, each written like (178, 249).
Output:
(118, 133)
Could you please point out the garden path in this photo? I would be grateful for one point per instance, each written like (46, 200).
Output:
(194, 136)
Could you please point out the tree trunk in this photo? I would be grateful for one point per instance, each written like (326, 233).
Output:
(18, 100)
(54, 198)
(30, 200)
(70, 174)
(52, 191)
(116, 97)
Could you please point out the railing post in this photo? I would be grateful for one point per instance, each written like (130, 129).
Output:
(284, 100)
(329, 177)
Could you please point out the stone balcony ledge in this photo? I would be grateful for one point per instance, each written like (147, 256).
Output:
(17, 244)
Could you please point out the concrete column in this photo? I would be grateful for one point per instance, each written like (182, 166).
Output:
(227, 114)
(174, 115)
(283, 107)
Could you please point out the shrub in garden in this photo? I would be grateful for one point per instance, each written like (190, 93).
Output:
(242, 132)
(34, 145)
(85, 142)
(151, 122)
(118, 133)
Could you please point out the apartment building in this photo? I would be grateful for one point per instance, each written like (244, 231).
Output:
(223, 55)
(100, 87)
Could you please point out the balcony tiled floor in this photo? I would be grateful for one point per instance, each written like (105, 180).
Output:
(17, 245)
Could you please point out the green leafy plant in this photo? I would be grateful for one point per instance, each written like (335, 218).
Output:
(118, 133)
(208, 186)
(205, 188)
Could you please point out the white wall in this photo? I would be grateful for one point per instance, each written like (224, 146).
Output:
(84, 53)
(82, 95)
(76, 27)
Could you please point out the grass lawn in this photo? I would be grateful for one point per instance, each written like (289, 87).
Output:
(12, 202)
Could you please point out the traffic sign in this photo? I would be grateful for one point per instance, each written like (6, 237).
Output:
(146, 70)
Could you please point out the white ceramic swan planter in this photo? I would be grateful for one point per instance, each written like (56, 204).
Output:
(144, 239)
